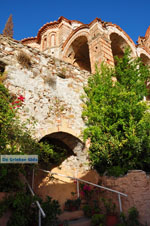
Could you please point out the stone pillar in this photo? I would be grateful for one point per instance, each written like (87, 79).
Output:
(99, 48)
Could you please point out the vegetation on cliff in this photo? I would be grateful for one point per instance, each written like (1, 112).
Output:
(117, 117)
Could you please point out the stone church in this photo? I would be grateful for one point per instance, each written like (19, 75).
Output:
(83, 45)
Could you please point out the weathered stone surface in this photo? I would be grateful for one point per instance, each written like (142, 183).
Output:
(49, 100)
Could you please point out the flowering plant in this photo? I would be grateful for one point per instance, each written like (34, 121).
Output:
(86, 191)
(18, 102)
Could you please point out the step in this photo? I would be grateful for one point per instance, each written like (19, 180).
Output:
(83, 221)
(66, 215)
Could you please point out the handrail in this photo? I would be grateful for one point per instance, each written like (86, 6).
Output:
(41, 211)
(87, 182)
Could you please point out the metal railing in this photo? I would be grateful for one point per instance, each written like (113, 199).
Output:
(41, 211)
(84, 181)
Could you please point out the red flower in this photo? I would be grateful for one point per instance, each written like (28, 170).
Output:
(82, 193)
(17, 102)
(21, 98)
(87, 188)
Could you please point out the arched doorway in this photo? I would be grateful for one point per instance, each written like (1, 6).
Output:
(78, 53)
(65, 146)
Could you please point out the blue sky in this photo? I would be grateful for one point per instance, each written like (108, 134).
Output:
(29, 15)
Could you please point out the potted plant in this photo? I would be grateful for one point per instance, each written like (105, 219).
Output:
(87, 209)
(131, 219)
(72, 204)
(111, 215)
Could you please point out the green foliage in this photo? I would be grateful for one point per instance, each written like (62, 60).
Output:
(72, 204)
(22, 208)
(25, 212)
(98, 219)
(52, 210)
(87, 209)
(117, 118)
(51, 154)
(110, 207)
(132, 219)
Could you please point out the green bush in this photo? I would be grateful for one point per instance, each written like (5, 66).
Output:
(117, 118)
(25, 211)
(52, 210)
(132, 219)
(98, 220)
(87, 209)
(21, 206)
(72, 204)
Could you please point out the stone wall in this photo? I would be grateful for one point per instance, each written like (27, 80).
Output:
(52, 88)
(136, 184)
(52, 91)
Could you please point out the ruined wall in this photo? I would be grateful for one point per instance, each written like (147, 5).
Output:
(52, 91)
(52, 88)
(136, 184)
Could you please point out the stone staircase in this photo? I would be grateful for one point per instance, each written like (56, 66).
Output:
(75, 218)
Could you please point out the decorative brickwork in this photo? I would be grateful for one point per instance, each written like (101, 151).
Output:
(83, 45)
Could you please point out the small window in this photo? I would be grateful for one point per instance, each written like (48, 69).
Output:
(44, 43)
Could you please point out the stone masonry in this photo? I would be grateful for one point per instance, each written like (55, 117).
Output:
(52, 91)
(83, 45)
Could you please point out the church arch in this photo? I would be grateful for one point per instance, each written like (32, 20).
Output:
(76, 50)
(52, 39)
(118, 45)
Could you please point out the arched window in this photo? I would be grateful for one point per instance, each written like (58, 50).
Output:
(118, 45)
(78, 53)
(52, 40)
(44, 43)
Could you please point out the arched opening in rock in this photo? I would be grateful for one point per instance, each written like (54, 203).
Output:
(146, 61)
(64, 145)
(78, 53)
(118, 45)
